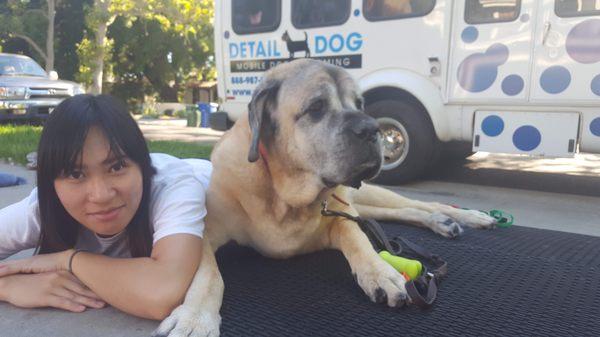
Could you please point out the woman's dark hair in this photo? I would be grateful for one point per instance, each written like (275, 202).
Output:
(60, 146)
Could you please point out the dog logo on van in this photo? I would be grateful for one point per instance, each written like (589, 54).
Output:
(296, 46)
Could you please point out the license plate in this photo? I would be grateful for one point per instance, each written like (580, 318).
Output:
(19, 112)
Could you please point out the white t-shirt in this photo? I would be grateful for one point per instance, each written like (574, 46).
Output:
(177, 205)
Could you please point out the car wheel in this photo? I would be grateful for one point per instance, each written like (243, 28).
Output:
(409, 141)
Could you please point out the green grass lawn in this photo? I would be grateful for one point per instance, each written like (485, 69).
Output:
(16, 141)
(181, 149)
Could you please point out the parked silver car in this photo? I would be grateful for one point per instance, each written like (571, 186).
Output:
(27, 92)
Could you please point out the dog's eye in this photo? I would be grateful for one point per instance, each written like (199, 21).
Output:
(316, 110)
(359, 104)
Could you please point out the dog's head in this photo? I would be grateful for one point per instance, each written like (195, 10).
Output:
(309, 113)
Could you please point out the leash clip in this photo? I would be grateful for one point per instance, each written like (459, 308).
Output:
(324, 206)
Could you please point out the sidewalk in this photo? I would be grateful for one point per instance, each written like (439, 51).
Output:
(9, 195)
(176, 129)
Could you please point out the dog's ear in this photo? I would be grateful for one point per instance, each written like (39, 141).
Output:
(263, 99)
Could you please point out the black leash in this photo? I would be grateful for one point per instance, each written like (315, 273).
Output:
(422, 289)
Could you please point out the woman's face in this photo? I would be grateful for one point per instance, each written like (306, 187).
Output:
(105, 192)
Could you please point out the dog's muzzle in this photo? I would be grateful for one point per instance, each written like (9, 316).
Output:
(364, 138)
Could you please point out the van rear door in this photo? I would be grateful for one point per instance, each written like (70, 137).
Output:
(567, 52)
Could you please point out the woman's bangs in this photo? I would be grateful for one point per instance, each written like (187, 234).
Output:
(65, 152)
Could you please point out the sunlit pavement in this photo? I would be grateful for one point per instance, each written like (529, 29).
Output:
(176, 129)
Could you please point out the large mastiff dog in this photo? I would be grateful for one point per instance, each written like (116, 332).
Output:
(305, 138)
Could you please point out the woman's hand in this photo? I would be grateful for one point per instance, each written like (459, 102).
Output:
(42, 263)
(59, 289)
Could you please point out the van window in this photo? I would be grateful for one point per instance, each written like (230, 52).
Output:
(491, 11)
(255, 16)
(570, 8)
(378, 10)
(319, 13)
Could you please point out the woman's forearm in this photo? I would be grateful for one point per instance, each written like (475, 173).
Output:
(144, 287)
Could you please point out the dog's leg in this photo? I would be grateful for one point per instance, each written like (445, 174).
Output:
(199, 313)
(437, 222)
(380, 281)
(370, 195)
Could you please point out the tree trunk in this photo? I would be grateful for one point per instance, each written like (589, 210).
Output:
(102, 6)
(50, 36)
(98, 64)
(32, 44)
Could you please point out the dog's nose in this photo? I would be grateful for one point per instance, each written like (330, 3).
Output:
(364, 127)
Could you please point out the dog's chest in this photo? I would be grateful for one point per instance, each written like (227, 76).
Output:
(286, 238)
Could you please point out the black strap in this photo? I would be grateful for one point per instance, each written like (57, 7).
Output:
(440, 267)
(370, 227)
(423, 289)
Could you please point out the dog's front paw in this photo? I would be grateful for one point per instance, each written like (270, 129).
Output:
(444, 225)
(184, 322)
(383, 284)
(475, 219)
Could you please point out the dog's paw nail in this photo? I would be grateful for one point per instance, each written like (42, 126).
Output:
(456, 230)
(401, 300)
(380, 296)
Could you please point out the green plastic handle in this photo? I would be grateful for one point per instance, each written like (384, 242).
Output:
(412, 268)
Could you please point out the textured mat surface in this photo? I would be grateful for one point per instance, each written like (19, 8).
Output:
(505, 282)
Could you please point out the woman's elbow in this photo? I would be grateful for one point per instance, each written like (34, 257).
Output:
(163, 304)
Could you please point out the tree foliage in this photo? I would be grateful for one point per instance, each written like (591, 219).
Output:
(29, 18)
(25, 20)
(168, 27)
(148, 47)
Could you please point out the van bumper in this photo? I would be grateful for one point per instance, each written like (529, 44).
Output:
(19, 110)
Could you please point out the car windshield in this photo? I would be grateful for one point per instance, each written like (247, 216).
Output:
(19, 66)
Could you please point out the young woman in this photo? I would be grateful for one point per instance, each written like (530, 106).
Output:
(111, 223)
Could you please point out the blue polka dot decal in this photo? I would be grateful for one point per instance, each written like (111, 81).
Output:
(555, 80)
(596, 85)
(356, 12)
(226, 34)
(595, 127)
(524, 17)
(478, 71)
(512, 85)
(469, 34)
(527, 138)
(492, 126)
(583, 42)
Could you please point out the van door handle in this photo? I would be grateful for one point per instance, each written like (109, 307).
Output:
(547, 27)
(435, 67)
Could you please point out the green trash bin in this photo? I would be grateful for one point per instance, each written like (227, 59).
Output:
(193, 116)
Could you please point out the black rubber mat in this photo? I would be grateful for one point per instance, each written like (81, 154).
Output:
(505, 282)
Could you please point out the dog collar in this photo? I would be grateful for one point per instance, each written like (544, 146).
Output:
(340, 199)
(263, 154)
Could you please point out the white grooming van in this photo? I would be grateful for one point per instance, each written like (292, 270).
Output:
(505, 76)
